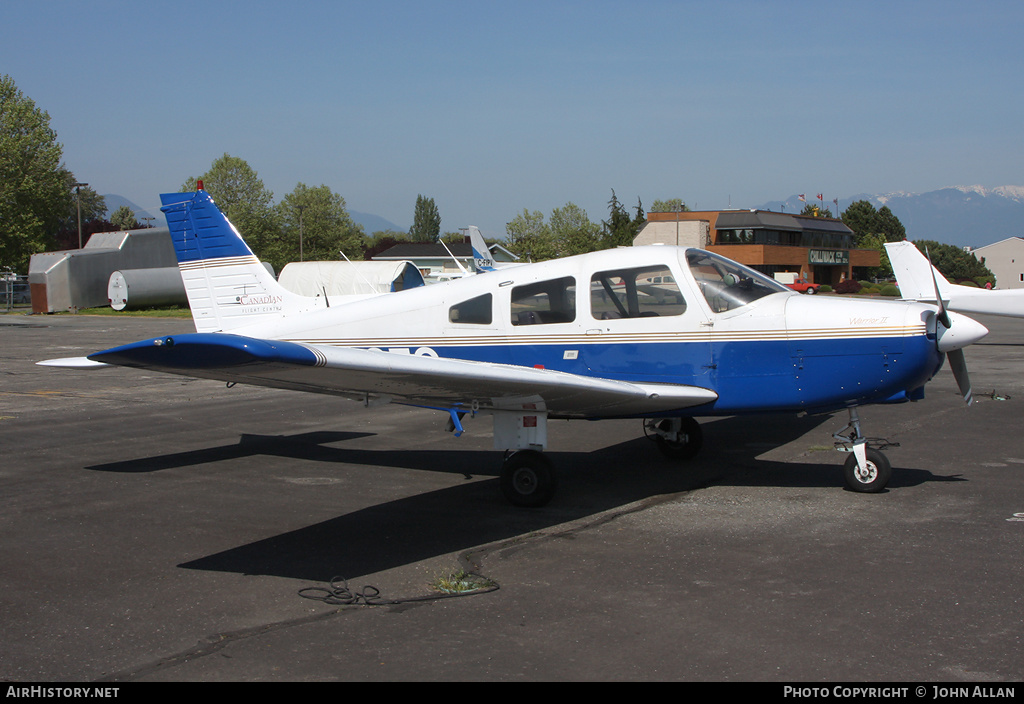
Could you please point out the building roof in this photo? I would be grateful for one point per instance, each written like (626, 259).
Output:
(426, 250)
(1010, 240)
(769, 220)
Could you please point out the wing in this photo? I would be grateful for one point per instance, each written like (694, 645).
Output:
(423, 381)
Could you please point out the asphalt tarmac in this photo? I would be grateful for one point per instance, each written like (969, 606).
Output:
(155, 528)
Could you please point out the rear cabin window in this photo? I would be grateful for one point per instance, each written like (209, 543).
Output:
(475, 311)
(545, 302)
(635, 293)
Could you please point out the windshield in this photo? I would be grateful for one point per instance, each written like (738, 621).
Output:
(727, 285)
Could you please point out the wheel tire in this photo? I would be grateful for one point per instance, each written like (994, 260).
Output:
(528, 479)
(812, 291)
(682, 450)
(875, 476)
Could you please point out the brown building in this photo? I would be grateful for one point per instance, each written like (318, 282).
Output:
(818, 249)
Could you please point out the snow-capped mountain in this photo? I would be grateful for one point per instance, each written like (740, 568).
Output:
(971, 216)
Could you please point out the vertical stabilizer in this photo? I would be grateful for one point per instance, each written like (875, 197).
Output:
(226, 285)
(481, 254)
(914, 272)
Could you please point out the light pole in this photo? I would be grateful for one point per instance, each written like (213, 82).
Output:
(78, 197)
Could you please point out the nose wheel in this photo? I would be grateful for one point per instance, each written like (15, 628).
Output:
(866, 470)
(870, 476)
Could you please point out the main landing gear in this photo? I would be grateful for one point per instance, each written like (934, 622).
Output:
(528, 479)
(866, 470)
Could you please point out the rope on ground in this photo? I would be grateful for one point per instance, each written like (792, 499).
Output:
(339, 593)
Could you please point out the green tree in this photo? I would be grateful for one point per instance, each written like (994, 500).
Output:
(530, 237)
(241, 196)
(93, 209)
(315, 226)
(124, 219)
(954, 263)
(864, 220)
(34, 194)
(620, 229)
(889, 226)
(573, 232)
(672, 205)
(860, 216)
(426, 223)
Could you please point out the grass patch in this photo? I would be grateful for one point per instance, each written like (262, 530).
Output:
(461, 582)
(173, 312)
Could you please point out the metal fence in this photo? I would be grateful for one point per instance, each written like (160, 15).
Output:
(14, 291)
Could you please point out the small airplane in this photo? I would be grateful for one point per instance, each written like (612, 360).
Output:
(572, 338)
(919, 280)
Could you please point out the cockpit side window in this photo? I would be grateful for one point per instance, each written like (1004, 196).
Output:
(727, 285)
(637, 292)
(475, 311)
(544, 302)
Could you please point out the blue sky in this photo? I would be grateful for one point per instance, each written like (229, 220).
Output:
(492, 108)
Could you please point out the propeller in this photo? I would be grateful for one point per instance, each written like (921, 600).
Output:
(952, 343)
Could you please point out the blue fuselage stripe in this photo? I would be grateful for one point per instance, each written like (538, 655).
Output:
(749, 376)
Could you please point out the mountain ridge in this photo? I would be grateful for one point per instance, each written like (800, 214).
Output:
(963, 215)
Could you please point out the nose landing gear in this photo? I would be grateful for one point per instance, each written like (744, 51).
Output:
(866, 470)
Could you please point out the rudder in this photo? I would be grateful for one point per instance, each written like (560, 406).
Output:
(226, 284)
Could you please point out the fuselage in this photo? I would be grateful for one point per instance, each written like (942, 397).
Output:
(657, 314)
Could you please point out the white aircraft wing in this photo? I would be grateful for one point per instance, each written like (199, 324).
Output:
(433, 382)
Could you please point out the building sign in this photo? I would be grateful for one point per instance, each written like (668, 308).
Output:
(833, 257)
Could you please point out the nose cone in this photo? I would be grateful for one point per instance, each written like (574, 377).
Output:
(962, 331)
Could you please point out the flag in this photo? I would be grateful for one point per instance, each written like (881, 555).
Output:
(820, 197)
(801, 197)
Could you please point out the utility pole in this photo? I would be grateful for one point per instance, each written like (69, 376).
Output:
(78, 197)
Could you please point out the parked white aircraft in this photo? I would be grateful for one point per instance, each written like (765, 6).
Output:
(573, 338)
(918, 281)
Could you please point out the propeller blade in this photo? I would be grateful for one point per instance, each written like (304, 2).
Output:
(943, 316)
(958, 364)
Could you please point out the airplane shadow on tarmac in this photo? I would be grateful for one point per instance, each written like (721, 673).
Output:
(454, 519)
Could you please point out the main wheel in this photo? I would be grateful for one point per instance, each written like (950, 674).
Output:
(691, 439)
(873, 477)
(528, 479)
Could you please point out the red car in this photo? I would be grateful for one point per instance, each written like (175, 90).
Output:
(803, 286)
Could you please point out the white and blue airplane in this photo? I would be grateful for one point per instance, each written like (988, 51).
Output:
(572, 338)
(919, 280)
